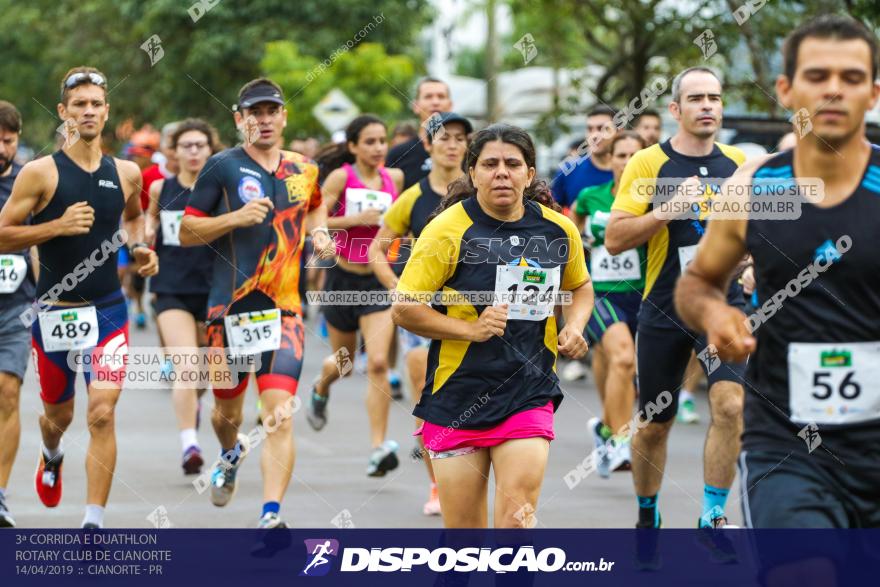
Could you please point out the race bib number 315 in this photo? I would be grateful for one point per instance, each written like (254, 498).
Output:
(252, 333)
(834, 383)
(530, 292)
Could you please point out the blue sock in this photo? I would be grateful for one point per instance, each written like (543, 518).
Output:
(231, 455)
(271, 507)
(649, 515)
(714, 499)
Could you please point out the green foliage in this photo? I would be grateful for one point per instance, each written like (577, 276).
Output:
(204, 62)
(377, 82)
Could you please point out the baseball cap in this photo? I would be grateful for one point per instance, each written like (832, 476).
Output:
(438, 120)
(262, 92)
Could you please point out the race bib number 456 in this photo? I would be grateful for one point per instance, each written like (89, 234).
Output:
(834, 383)
(530, 292)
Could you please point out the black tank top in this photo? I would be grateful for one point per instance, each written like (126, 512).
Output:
(181, 271)
(83, 265)
(837, 304)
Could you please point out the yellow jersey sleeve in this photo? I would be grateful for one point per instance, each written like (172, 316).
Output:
(628, 198)
(397, 218)
(575, 272)
(435, 255)
(735, 154)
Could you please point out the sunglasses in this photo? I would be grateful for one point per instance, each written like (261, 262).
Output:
(76, 79)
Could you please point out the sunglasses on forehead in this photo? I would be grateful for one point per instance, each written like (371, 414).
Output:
(76, 79)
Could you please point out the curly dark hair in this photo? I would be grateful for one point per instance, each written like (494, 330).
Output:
(463, 187)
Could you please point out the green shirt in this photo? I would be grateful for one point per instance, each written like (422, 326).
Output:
(620, 273)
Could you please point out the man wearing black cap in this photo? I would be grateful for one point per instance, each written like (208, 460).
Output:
(253, 203)
(447, 139)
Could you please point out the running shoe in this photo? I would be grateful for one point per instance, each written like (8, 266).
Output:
(687, 412)
(718, 544)
(396, 387)
(48, 480)
(223, 477)
(192, 461)
(432, 506)
(624, 450)
(90, 526)
(140, 320)
(601, 456)
(618, 454)
(417, 453)
(322, 327)
(360, 361)
(6, 519)
(167, 369)
(317, 412)
(271, 520)
(383, 459)
(573, 371)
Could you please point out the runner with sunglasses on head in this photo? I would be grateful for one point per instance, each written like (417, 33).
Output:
(76, 198)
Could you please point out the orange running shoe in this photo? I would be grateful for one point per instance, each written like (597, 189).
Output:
(48, 480)
(432, 506)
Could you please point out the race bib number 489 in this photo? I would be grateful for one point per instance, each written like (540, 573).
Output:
(69, 329)
(834, 383)
(530, 292)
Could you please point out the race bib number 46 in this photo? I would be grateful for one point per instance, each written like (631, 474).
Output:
(834, 383)
(252, 333)
(607, 267)
(13, 269)
(69, 329)
(358, 199)
(171, 226)
(530, 292)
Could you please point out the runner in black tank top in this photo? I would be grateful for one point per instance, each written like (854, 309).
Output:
(182, 285)
(77, 198)
(811, 446)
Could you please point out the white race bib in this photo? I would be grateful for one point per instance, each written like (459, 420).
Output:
(530, 292)
(252, 333)
(358, 199)
(69, 329)
(685, 256)
(171, 226)
(834, 383)
(13, 270)
(607, 267)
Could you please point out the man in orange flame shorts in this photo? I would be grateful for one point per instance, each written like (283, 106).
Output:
(254, 204)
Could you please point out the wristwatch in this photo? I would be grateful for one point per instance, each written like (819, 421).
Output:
(137, 246)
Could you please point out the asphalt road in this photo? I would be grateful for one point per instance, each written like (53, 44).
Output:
(329, 486)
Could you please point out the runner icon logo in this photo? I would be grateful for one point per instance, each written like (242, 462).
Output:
(709, 357)
(317, 561)
(810, 434)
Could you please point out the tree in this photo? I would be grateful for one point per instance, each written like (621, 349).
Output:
(204, 62)
(375, 81)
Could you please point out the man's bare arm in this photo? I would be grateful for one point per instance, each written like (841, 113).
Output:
(626, 231)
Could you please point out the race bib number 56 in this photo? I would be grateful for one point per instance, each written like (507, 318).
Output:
(834, 383)
(530, 292)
